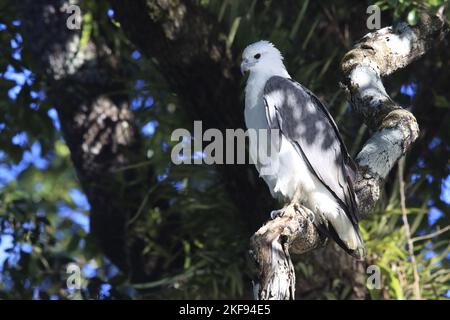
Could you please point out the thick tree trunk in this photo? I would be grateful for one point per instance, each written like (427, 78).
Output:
(377, 54)
(185, 41)
(96, 122)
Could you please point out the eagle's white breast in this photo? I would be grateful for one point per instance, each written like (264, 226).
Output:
(290, 177)
(284, 171)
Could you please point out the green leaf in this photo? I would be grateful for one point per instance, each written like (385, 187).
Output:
(412, 17)
(87, 29)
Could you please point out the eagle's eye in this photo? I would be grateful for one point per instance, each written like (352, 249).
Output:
(257, 56)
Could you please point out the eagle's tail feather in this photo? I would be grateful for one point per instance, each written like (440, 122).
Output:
(357, 251)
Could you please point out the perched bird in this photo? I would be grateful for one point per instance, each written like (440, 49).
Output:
(309, 163)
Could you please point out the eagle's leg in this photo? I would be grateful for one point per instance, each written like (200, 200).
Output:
(290, 208)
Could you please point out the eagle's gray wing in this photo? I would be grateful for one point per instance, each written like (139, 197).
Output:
(304, 120)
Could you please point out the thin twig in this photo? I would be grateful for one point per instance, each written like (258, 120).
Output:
(431, 235)
(416, 285)
(335, 25)
(142, 205)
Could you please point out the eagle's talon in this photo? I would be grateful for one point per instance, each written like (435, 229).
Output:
(276, 213)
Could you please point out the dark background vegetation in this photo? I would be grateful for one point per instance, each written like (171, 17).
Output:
(85, 171)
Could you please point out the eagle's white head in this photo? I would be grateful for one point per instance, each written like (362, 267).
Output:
(262, 57)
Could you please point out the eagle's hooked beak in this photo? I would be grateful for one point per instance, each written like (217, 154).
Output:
(244, 66)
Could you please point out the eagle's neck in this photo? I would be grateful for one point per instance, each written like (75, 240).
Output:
(254, 90)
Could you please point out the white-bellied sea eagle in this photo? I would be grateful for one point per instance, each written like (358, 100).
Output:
(309, 163)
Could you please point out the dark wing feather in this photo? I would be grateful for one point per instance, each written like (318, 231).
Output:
(304, 120)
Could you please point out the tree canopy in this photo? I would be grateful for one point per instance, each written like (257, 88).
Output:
(86, 176)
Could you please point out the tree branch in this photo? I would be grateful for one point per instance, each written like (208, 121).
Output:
(431, 235)
(271, 245)
(377, 54)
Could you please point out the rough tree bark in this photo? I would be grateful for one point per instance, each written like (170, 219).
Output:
(86, 84)
(376, 55)
(96, 122)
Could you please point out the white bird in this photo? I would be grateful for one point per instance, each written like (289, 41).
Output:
(310, 164)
